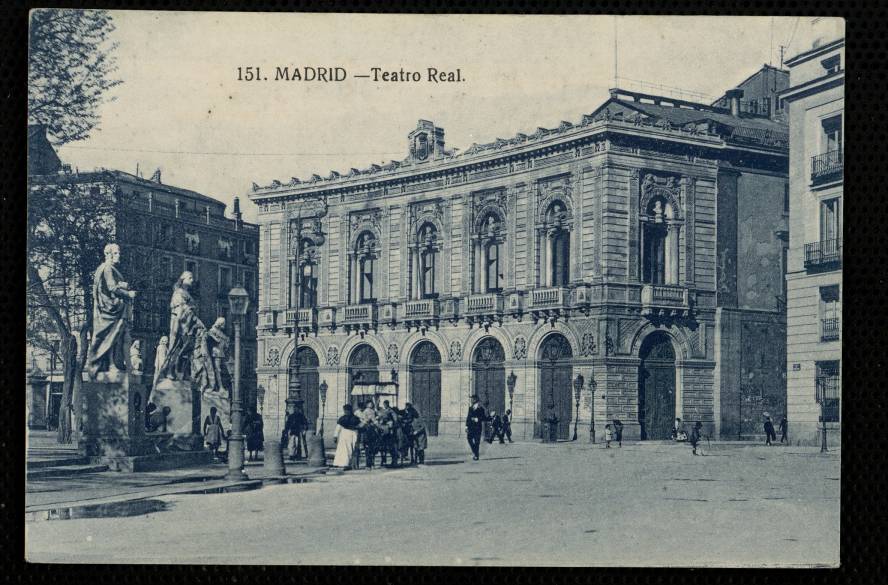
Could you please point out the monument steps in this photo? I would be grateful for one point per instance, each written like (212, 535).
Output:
(64, 471)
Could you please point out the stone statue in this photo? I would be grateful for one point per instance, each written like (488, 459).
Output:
(189, 354)
(136, 356)
(209, 370)
(186, 329)
(160, 355)
(111, 295)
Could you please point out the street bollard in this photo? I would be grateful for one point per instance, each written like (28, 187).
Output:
(316, 455)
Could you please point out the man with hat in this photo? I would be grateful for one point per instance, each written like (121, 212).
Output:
(475, 420)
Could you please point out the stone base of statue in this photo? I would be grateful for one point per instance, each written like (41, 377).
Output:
(184, 420)
(112, 412)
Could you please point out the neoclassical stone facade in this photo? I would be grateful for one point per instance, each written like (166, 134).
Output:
(607, 248)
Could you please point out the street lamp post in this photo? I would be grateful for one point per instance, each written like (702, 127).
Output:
(593, 385)
(578, 388)
(510, 382)
(238, 301)
(317, 451)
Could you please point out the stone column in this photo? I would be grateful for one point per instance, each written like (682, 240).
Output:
(673, 253)
(550, 259)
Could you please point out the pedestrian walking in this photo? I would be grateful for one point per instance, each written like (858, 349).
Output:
(618, 432)
(295, 426)
(783, 428)
(213, 432)
(420, 440)
(475, 420)
(769, 431)
(608, 436)
(346, 437)
(695, 436)
(496, 428)
(507, 425)
(255, 434)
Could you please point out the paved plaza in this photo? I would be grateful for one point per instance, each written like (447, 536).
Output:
(521, 504)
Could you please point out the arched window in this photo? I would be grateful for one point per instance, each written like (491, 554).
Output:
(659, 244)
(426, 261)
(489, 263)
(304, 276)
(365, 268)
(557, 251)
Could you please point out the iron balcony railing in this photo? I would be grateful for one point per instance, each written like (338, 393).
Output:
(829, 396)
(829, 329)
(823, 253)
(829, 165)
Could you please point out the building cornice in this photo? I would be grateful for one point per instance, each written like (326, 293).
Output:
(815, 52)
(498, 162)
(813, 86)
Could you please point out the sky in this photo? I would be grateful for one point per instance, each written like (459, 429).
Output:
(182, 109)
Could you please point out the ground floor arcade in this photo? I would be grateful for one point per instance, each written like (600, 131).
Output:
(586, 372)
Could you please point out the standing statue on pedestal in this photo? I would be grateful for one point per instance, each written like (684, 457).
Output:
(208, 369)
(107, 349)
(189, 355)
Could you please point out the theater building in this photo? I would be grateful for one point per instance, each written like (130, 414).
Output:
(639, 248)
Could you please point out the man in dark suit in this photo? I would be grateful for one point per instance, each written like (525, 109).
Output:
(474, 425)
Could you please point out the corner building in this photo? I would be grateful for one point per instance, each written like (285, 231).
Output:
(640, 248)
(816, 104)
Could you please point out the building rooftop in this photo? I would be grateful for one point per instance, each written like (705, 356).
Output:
(629, 108)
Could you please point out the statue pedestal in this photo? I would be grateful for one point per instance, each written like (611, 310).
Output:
(184, 420)
(112, 414)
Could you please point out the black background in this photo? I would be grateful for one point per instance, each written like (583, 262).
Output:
(863, 543)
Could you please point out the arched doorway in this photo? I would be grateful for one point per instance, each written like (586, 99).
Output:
(304, 367)
(656, 387)
(363, 368)
(425, 384)
(490, 374)
(556, 383)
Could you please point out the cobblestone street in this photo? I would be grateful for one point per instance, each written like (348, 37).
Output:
(521, 504)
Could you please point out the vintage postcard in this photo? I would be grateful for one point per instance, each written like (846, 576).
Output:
(434, 290)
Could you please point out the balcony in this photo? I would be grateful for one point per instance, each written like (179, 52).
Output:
(421, 313)
(830, 329)
(825, 254)
(664, 300)
(360, 317)
(828, 166)
(484, 308)
(549, 303)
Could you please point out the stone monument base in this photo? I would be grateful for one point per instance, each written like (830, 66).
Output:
(112, 412)
(183, 422)
(159, 461)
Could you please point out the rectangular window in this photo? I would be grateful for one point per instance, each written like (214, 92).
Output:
(224, 279)
(832, 134)
(832, 64)
(831, 220)
(786, 199)
(830, 313)
(829, 390)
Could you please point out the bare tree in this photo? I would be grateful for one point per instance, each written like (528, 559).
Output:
(70, 64)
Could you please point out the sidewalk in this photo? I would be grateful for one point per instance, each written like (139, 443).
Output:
(104, 487)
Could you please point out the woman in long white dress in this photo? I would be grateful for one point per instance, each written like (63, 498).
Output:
(345, 437)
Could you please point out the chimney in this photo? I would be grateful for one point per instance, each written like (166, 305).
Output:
(734, 96)
(237, 211)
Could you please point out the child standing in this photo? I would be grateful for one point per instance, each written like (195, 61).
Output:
(608, 436)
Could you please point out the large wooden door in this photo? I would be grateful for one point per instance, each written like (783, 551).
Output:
(304, 367)
(363, 367)
(490, 375)
(556, 373)
(656, 387)
(425, 384)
